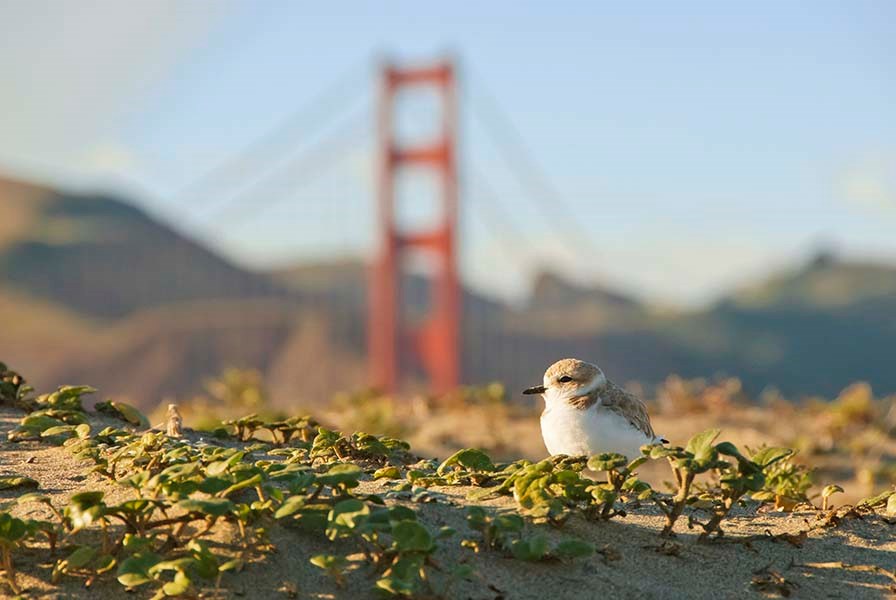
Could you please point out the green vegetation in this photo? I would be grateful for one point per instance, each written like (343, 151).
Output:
(294, 474)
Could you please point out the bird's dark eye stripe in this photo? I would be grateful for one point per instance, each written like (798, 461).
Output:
(565, 379)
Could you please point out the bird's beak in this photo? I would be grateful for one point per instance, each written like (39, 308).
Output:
(538, 389)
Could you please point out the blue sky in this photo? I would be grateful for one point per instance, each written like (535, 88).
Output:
(696, 145)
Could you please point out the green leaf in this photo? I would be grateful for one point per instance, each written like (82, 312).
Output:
(345, 516)
(476, 518)
(86, 499)
(235, 565)
(181, 585)
(213, 507)
(213, 485)
(471, 458)
(701, 445)
(660, 451)
(217, 468)
(81, 556)
(768, 456)
(401, 513)
(104, 563)
(290, 506)
(729, 449)
(396, 586)
(607, 461)
(603, 493)
(346, 473)
(86, 508)
(11, 528)
(67, 397)
(636, 463)
(702, 441)
(33, 497)
(509, 523)
(134, 571)
(123, 411)
(830, 490)
(530, 549)
(205, 563)
(134, 543)
(39, 423)
(329, 562)
(387, 473)
(58, 430)
(10, 482)
(411, 536)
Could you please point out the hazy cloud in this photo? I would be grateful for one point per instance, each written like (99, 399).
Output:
(870, 185)
(74, 74)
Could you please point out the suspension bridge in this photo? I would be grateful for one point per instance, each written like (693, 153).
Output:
(462, 202)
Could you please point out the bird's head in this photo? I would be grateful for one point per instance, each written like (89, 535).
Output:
(569, 378)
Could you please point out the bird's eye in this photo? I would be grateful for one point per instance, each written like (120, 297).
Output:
(565, 379)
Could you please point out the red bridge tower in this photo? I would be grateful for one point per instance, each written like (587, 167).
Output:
(434, 341)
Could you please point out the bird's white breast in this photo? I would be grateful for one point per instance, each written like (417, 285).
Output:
(594, 430)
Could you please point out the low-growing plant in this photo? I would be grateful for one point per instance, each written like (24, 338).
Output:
(621, 479)
(123, 411)
(12, 531)
(183, 489)
(698, 456)
(786, 482)
(12, 482)
(507, 532)
(14, 389)
(737, 478)
(303, 428)
(87, 562)
(331, 446)
(244, 427)
(827, 492)
(334, 565)
(549, 490)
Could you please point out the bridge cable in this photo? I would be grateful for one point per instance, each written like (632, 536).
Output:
(277, 140)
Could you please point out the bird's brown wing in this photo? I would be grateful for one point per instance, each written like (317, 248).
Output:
(629, 406)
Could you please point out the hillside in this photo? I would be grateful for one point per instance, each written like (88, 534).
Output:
(91, 284)
(824, 284)
(105, 257)
(805, 331)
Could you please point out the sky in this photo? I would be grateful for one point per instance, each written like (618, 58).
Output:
(684, 148)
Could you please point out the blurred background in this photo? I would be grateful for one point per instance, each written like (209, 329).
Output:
(275, 205)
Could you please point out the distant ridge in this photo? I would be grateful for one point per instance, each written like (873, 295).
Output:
(92, 286)
(101, 256)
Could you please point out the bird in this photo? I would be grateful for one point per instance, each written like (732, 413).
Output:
(174, 423)
(587, 414)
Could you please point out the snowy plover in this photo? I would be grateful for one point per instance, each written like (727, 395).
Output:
(585, 413)
(174, 424)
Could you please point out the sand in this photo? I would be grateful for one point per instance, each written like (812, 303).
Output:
(633, 562)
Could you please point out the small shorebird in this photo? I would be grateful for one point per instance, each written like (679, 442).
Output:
(585, 413)
(174, 423)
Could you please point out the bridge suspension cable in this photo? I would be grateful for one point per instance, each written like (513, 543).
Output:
(486, 206)
(268, 191)
(341, 94)
(550, 203)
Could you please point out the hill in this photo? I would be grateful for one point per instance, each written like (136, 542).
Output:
(91, 284)
(105, 257)
(806, 331)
